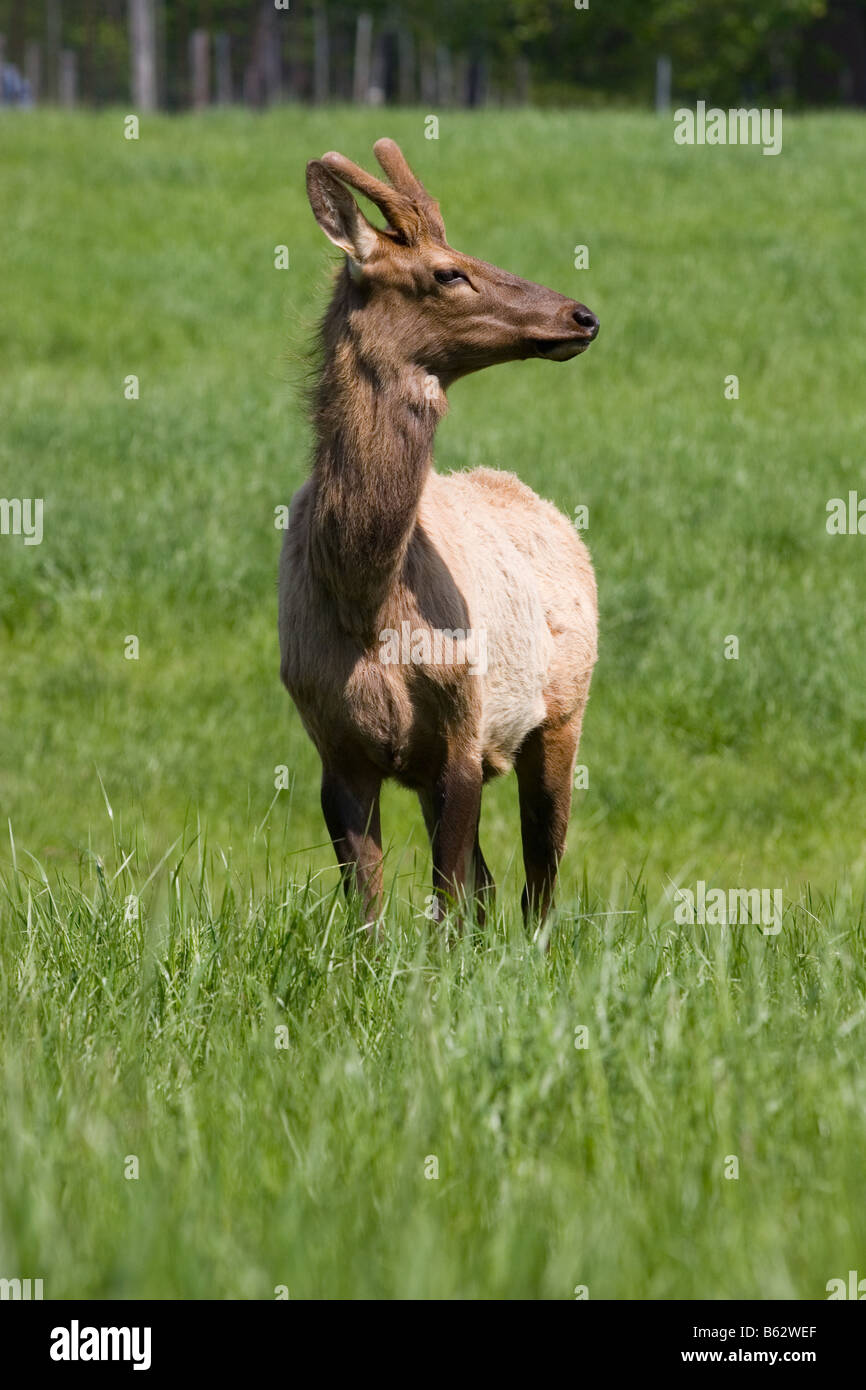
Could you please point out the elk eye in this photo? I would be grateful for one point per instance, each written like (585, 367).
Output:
(447, 277)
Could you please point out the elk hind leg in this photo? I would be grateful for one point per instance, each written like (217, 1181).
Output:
(545, 768)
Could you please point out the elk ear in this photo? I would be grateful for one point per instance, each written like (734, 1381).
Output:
(338, 214)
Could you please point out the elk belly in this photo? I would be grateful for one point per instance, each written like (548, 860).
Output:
(513, 696)
(507, 608)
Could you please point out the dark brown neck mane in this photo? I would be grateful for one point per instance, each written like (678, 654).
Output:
(374, 419)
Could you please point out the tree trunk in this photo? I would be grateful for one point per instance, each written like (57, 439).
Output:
(222, 47)
(521, 81)
(321, 57)
(444, 77)
(53, 25)
(199, 62)
(663, 85)
(272, 67)
(461, 82)
(428, 75)
(67, 82)
(363, 57)
(142, 48)
(33, 70)
(476, 82)
(378, 68)
(263, 74)
(406, 64)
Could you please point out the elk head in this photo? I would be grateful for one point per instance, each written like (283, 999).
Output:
(417, 302)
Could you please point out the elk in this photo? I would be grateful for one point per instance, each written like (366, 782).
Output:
(383, 556)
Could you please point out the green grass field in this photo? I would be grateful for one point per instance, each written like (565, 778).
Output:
(181, 982)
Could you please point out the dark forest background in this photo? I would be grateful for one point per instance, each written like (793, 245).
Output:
(179, 53)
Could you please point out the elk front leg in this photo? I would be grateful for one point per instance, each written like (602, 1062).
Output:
(545, 767)
(350, 802)
(451, 810)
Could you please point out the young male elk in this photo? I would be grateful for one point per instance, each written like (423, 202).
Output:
(386, 559)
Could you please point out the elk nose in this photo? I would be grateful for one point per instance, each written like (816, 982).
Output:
(585, 319)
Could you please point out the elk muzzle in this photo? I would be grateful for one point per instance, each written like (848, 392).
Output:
(581, 327)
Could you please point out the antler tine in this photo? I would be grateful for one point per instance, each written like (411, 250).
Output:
(397, 207)
(393, 161)
(395, 165)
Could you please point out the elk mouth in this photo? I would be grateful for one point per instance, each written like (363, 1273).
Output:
(559, 349)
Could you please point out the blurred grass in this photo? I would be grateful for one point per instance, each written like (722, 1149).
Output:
(707, 518)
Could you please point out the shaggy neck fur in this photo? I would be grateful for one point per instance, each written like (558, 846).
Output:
(374, 417)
